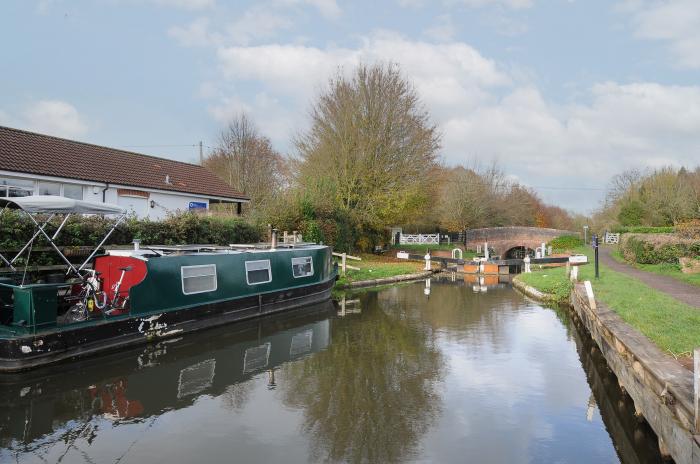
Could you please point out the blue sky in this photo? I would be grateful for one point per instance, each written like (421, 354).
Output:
(561, 93)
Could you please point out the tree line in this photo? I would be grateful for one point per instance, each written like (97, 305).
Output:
(369, 160)
(654, 198)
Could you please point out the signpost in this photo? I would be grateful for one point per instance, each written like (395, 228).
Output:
(594, 241)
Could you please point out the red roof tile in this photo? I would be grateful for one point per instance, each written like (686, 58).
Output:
(29, 152)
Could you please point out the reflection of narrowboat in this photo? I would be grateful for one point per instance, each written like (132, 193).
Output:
(141, 382)
(125, 297)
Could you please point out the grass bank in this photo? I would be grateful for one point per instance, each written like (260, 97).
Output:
(378, 267)
(552, 281)
(672, 325)
(665, 269)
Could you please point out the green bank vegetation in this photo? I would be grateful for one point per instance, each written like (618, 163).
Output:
(672, 325)
(378, 267)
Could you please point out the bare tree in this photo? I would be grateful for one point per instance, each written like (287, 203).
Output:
(246, 160)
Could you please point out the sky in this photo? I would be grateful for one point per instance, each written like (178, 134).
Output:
(562, 94)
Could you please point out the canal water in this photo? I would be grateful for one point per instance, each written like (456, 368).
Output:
(398, 374)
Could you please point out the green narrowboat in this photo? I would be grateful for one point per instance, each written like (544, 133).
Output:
(123, 297)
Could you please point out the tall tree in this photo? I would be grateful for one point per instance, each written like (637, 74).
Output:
(245, 159)
(371, 146)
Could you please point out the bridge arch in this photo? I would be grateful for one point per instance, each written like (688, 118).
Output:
(505, 239)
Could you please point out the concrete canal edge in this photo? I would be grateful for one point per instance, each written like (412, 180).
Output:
(387, 280)
(662, 389)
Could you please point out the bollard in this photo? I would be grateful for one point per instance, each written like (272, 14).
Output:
(526, 260)
(427, 261)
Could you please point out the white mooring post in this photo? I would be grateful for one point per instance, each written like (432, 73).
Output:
(427, 261)
(696, 387)
(574, 274)
(526, 261)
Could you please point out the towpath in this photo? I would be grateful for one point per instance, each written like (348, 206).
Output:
(681, 291)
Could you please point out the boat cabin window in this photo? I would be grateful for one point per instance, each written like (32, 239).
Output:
(198, 279)
(302, 267)
(258, 272)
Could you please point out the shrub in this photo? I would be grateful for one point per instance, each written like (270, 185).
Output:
(689, 229)
(638, 250)
(643, 230)
(566, 242)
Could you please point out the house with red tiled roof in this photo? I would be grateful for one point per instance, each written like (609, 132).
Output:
(148, 186)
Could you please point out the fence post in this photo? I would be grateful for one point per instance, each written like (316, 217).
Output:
(344, 257)
(696, 387)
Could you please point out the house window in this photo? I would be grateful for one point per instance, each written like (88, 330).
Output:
(73, 191)
(198, 279)
(302, 267)
(258, 272)
(49, 188)
(15, 187)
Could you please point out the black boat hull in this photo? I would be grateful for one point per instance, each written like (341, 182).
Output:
(34, 350)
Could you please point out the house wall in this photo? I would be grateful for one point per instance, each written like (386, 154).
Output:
(132, 198)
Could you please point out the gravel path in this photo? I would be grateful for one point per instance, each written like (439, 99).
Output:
(681, 291)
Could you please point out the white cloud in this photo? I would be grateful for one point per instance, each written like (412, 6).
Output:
(186, 4)
(258, 22)
(676, 23)
(53, 117)
(513, 4)
(442, 30)
(452, 73)
(486, 111)
(197, 33)
(327, 8)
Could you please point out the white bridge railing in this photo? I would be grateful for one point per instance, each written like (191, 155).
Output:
(408, 239)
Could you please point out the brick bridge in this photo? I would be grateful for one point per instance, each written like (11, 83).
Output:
(512, 242)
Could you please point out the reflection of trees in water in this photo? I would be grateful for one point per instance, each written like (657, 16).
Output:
(372, 394)
(236, 395)
(474, 319)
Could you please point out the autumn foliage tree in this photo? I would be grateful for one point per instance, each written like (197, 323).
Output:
(370, 148)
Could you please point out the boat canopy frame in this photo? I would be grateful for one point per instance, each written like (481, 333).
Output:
(36, 205)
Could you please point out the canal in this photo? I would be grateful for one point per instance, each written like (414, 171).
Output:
(384, 375)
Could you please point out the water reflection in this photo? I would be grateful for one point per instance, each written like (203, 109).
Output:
(391, 375)
(374, 392)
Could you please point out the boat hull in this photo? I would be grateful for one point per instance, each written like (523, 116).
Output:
(34, 350)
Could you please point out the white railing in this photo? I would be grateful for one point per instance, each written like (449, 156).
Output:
(408, 239)
(612, 238)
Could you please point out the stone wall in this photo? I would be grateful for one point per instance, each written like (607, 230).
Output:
(662, 390)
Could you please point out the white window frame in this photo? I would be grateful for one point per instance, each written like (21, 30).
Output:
(258, 265)
(311, 260)
(182, 278)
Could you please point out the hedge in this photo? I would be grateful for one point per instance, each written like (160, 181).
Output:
(188, 228)
(642, 251)
(566, 243)
(643, 230)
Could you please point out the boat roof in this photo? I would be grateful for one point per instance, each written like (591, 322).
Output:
(59, 205)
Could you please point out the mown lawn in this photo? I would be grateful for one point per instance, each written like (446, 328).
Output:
(377, 267)
(670, 270)
(672, 325)
(552, 281)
